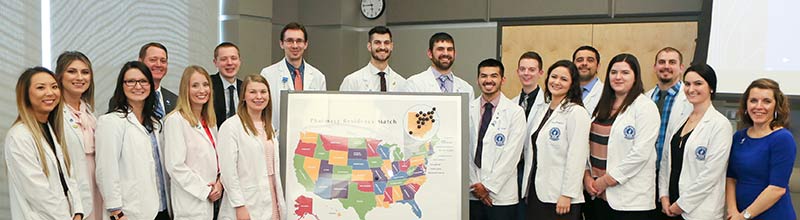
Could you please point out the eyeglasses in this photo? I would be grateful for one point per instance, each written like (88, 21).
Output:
(132, 83)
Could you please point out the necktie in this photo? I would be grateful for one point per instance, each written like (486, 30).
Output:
(383, 81)
(662, 97)
(442, 80)
(485, 119)
(231, 104)
(159, 107)
(524, 104)
(298, 80)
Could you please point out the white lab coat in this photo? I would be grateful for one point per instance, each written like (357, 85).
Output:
(366, 79)
(244, 173)
(280, 79)
(705, 161)
(73, 138)
(32, 194)
(191, 161)
(563, 150)
(527, 151)
(125, 171)
(591, 100)
(425, 82)
(498, 172)
(632, 157)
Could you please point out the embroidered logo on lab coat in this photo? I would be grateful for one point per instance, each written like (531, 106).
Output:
(499, 139)
(555, 133)
(700, 153)
(629, 132)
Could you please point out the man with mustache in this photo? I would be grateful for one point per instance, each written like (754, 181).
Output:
(377, 75)
(494, 150)
(670, 99)
(439, 76)
(292, 72)
(588, 61)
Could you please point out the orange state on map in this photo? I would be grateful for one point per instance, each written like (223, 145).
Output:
(420, 123)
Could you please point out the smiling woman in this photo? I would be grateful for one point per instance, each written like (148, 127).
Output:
(41, 181)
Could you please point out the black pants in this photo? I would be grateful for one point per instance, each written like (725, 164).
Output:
(479, 211)
(217, 204)
(595, 209)
(163, 215)
(547, 211)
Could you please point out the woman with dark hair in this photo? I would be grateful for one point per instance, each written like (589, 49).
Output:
(41, 181)
(692, 176)
(129, 159)
(74, 74)
(250, 157)
(555, 188)
(622, 176)
(762, 156)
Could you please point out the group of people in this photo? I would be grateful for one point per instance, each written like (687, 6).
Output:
(577, 148)
(581, 148)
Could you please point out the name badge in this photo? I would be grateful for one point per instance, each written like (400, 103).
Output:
(555, 133)
(700, 153)
(629, 132)
(499, 139)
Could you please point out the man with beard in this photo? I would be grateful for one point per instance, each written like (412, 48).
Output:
(226, 85)
(154, 56)
(494, 150)
(588, 60)
(291, 72)
(670, 99)
(377, 75)
(439, 77)
(529, 71)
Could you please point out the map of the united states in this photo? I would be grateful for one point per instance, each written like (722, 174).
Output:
(361, 173)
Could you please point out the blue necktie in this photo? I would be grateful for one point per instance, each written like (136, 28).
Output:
(159, 107)
(485, 119)
(442, 84)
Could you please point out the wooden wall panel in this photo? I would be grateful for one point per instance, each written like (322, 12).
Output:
(556, 42)
(553, 42)
(643, 40)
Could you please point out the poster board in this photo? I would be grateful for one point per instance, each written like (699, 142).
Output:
(374, 156)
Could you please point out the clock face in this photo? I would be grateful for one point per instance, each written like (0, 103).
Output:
(372, 9)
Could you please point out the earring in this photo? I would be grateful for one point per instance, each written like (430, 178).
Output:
(776, 114)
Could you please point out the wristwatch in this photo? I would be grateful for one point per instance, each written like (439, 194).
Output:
(118, 216)
(746, 215)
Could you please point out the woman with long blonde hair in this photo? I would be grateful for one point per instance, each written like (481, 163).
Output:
(190, 149)
(40, 178)
(76, 79)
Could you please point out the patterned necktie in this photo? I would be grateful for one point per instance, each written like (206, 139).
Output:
(485, 119)
(298, 80)
(159, 107)
(524, 104)
(231, 104)
(442, 86)
(383, 81)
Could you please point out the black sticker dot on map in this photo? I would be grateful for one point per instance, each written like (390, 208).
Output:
(433, 120)
(420, 112)
(419, 126)
(410, 132)
(423, 123)
(417, 115)
(434, 108)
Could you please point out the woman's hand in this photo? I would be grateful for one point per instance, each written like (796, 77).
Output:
(242, 213)
(562, 205)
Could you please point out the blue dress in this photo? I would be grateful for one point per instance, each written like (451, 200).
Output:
(756, 163)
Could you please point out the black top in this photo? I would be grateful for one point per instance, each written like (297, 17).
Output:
(531, 99)
(677, 146)
(49, 138)
(533, 142)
